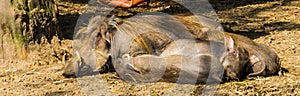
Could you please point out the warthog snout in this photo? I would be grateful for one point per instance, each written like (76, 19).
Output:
(69, 74)
(230, 73)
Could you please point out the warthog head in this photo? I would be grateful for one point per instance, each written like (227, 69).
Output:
(90, 44)
(234, 59)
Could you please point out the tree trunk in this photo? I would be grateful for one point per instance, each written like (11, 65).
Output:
(23, 22)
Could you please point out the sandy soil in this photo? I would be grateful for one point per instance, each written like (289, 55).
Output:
(274, 23)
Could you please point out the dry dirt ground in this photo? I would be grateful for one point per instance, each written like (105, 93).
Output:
(274, 23)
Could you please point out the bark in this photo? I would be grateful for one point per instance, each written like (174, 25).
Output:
(24, 22)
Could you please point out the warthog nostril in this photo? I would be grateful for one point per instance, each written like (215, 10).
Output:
(69, 74)
(232, 76)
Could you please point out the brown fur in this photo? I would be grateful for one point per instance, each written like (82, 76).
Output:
(176, 68)
(263, 60)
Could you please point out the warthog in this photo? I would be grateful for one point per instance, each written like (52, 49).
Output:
(263, 59)
(99, 32)
(96, 35)
(188, 61)
(156, 34)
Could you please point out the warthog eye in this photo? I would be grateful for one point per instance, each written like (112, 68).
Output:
(137, 71)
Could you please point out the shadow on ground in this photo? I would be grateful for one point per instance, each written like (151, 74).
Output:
(68, 23)
(245, 20)
(230, 4)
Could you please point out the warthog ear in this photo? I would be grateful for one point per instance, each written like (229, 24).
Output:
(229, 42)
(231, 47)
